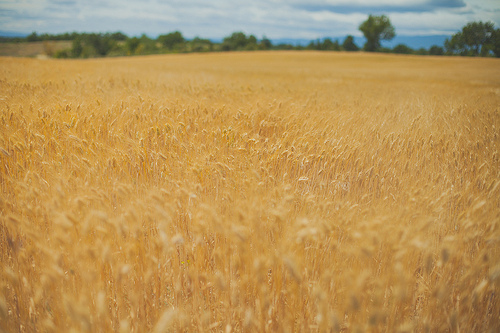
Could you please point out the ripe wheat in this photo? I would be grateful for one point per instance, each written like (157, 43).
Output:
(250, 192)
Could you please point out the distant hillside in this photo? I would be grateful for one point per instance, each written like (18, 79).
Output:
(12, 34)
(415, 42)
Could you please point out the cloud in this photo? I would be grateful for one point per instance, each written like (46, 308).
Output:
(427, 23)
(307, 19)
(385, 6)
(63, 2)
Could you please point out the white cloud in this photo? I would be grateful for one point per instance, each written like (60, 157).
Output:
(362, 3)
(218, 18)
(428, 23)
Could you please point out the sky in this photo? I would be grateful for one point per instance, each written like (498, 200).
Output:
(275, 19)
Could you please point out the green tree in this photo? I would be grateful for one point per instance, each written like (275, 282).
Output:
(284, 46)
(495, 44)
(376, 29)
(237, 41)
(147, 45)
(436, 50)
(119, 36)
(132, 44)
(349, 44)
(102, 44)
(252, 39)
(402, 49)
(455, 45)
(33, 37)
(200, 45)
(314, 45)
(76, 47)
(251, 43)
(475, 39)
(171, 40)
(477, 36)
(329, 45)
(265, 44)
(421, 51)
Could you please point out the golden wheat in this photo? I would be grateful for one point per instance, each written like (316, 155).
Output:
(239, 192)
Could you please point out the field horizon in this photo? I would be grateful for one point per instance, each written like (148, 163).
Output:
(269, 191)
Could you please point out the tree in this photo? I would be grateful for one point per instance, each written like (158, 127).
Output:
(251, 43)
(102, 44)
(132, 44)
(421, 51)
(402, 49)
(119, 36)
(200, 45)
(76, 48)
(376, 29)
(495, 45)
(314, 45)
(436, 50)
(455, 45)
(237, 41)
(349, 44)
(265, 44)
(33, 37)
(171, 40)
(329, 45)
(147, 45)
(475, 38)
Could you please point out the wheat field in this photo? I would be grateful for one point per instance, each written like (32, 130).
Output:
(250, 192)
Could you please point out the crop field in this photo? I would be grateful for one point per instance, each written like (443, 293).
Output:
(33, 49)
(250, 192)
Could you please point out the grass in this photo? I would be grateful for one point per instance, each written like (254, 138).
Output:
(272, 192)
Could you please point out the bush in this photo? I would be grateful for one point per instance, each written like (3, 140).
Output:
(402, 49)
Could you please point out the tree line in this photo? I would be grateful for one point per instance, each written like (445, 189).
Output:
(475, 39)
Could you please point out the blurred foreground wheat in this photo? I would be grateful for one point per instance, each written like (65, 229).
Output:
(250, 192)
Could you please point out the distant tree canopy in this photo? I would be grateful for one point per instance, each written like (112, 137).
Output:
(496, 43)
(102, 44)
(265, 44)
(34, 37)
(329, 45)
(238, 41)
(118, 36)
(326, 45)
(436, 50)
(402, 49)
(201, 45)
(475, 39)
(92, 45)
(132, 44)
(171, 40)
(349, 44)
(375, 29)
